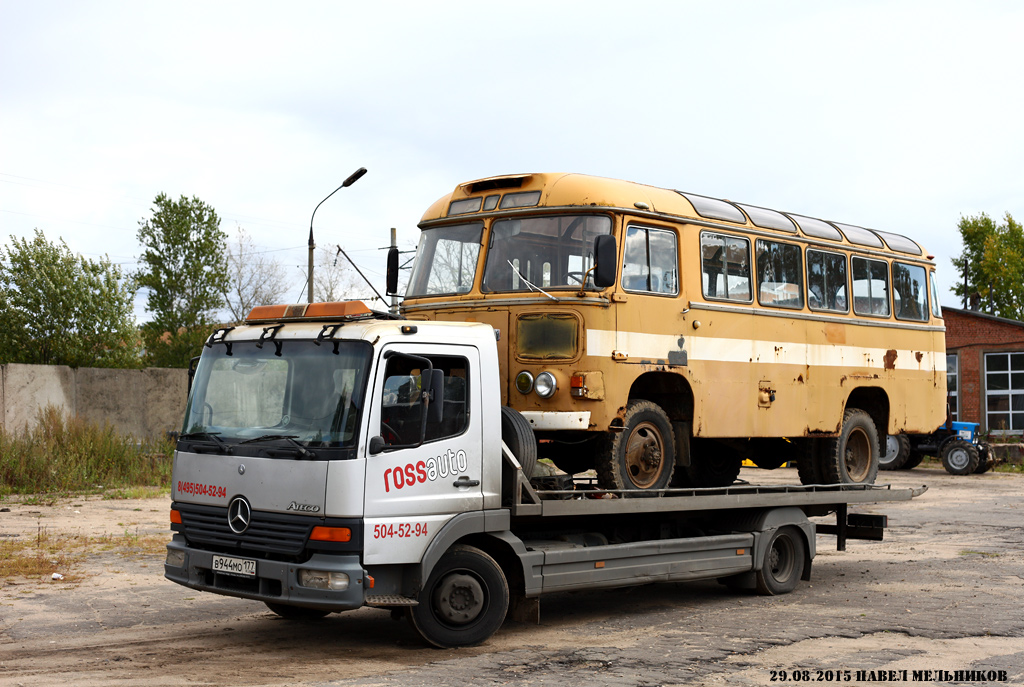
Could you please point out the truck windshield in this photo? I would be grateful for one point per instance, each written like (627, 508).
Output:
(546, 252)
(283, 398)
(446, 260)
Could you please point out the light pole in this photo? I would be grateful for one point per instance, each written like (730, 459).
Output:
(353, 178)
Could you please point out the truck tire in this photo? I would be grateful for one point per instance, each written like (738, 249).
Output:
(297, 613)
(783, 563)
(959, 457)
(808, 462)
(464, 601)
(642, 455)
(520, 439)
(897, 450)
(852, 457)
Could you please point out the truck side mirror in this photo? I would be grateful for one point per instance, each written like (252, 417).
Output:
(192, 373)
(605, 260)
(376, 445)
(392, 286)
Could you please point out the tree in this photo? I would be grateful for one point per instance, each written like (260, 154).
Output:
(184, 267)
(334, 279)
(57, 308)
(253, 277)
(992, 265)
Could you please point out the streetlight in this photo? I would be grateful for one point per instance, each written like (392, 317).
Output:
(353, 178)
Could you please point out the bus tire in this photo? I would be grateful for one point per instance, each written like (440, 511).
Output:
(897, 450)
(717, 464)
(808, 462)
(959, 457)
(641, 456)
(464, 601)
(783, 563)
(913, 460)
(852, 457)
(518, 435)
(296, 613)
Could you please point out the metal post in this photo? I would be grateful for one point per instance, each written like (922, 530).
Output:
(394, 297)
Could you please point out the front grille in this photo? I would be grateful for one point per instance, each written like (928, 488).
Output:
(268, 533)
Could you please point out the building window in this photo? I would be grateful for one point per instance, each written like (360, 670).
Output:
(1004, 392)
(953, 385)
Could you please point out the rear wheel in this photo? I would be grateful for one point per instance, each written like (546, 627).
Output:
(464, 600)
(808, 462)
(897, 450)
(642, 455)
(852, 457)
(297, 613)
(713, 464)
(959, 457)
(913, 460)
(783, 564)
(984, 459)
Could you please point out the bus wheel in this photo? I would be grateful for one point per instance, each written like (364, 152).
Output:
(642, 455)
(518, 435)
(959, 457)
(913, 460)
(464, 600)
(783, 563)
(808, 462)
(852, 457)
(897, 450)
(297, 613)
(714, 464)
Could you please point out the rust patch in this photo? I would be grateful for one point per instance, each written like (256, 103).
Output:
(890, 359)
(800, 378)
(919, 355)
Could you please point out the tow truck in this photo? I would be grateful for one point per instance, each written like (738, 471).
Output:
(332, 458)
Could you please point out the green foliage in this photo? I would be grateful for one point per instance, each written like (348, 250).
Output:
(994, 255)
(57, 308)
(64, 454)
(184, 267)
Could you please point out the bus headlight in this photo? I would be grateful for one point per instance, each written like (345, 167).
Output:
(321, 579)
(524, 382)
(545, 385)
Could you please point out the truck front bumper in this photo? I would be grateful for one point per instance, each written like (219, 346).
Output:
(274, 581)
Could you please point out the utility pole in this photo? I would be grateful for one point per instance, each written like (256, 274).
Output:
(394, 297)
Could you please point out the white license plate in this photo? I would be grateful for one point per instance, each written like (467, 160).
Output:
(243, 567)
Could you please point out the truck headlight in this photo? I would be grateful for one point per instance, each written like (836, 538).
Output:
(524, 382)
(175, 558)
(545, 385)
(322, 579)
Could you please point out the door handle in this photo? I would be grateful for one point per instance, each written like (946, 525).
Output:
(466, 482)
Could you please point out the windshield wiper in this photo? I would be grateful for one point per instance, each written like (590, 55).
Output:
(210, 437)
(532, 286)
(290, 438)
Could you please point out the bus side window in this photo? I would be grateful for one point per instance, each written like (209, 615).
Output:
(780, 281)
(826, 281)
(725, 266)
(909, 292)
(870, 287)
(650, 261)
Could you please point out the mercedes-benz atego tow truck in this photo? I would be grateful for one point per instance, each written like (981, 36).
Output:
(333, 458)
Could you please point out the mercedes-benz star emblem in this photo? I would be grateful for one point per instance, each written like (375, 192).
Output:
(239, 514)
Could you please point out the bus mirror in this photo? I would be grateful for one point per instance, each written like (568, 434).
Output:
(605, 258)
(392, 271)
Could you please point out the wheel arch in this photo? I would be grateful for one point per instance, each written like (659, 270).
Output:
(875, 402)
(670, 390)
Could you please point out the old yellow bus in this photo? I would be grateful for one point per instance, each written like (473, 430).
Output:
(661, 336)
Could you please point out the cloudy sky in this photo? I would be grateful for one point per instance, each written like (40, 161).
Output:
(900, 116)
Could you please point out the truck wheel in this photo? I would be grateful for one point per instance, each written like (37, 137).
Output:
(297, 613)
(852, 457)
(959, 457)
(783, 563)
(642, 455)
(713, 464)
(520, 439)
(464, 600)
(808, 462)
(897, 450)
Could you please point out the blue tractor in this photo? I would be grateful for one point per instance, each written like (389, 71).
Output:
(956, 444)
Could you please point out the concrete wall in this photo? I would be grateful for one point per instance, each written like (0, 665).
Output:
(142, 403)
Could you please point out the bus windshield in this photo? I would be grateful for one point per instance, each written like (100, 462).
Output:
(446, 260)
(546, 252)
(287, 393)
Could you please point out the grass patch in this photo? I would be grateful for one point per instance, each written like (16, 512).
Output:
(986, 554)
(49, 552)
(136, 492)
(64, 455)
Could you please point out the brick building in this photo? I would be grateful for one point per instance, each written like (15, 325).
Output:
(985, 370)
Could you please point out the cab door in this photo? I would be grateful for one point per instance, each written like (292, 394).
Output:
(413, 490)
